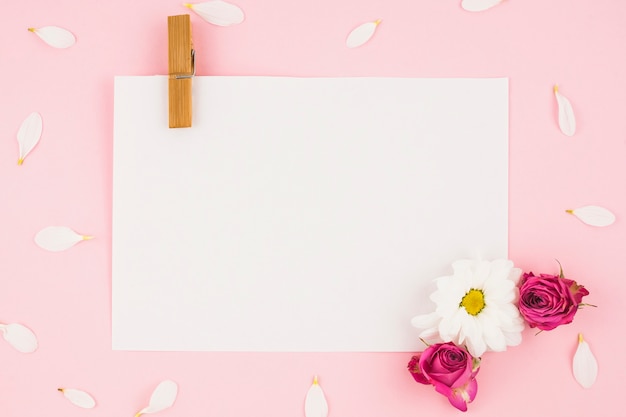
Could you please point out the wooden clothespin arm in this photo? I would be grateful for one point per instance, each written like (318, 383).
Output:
(181, 68)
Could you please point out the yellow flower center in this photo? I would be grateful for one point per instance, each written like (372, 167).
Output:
(473, 301)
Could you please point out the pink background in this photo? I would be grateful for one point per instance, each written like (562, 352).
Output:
(66, 297)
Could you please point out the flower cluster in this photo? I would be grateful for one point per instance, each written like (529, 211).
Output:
(484, 306)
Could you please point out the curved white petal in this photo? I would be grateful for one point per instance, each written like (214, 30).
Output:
(471, 333)
(479, 5)
(426, 321)
(594, 215)
(513, 338)
(163, 397)
(585, 365)
(58, 238)
(450, 326)
(55, 36)
(28, 135)
(431, 336)
(494, 338)
(20, 337)
(567, 121)
(482, 270)
(218, 12)
(315, 404)
(361, 34)
(78, 398)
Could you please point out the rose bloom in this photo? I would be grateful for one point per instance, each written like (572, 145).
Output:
(450, 369)
(547, 301)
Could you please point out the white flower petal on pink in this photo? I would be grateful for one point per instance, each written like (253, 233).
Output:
(362, 34)
(163, 397)
(479, 5)
(494, 338)
(58, 238)
(218, 12)
(567, 120)
(315, 404)
(426, 320)
(20, 337)
(513, 338)
(584, 364)
(430, 336)
(55, 36)
(78, 397)
(28, 135)
(593, 215)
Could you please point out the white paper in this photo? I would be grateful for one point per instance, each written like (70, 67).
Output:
(300, 214)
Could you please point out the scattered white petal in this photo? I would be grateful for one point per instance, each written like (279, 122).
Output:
(362, 34)
(55, 36)
(584, 364)
(315, 404)
(163, 397)
(567, 120)
(20, 337)
(28, 135)
(479, 5)
(218, 12)
(594, 215)
(78, 398)
(58, 238)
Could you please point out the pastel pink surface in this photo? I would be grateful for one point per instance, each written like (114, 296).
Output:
(65, 297)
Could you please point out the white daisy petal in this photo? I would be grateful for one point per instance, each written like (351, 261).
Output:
(58, 238)
(509, 310)
(448, 307)
(480, 274)
(218, 12)
(567, 120)
(425, 321)
(473, 332)
(501, 267)
(449, 326)
(20, 337)
(163, 397)
(78, 397)
(315, 404)
(361, 34)
(479, 5)
(494, 338)
(514, 275)
(445, 283)
(513, 338)
(55, 36)
(585, 365)
(462, 267)
(594, 215)
(431, 336)
(28, 135)
(499, 290)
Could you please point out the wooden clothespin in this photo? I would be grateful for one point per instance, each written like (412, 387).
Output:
(181, 68)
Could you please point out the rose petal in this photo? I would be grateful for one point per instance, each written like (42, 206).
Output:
(415, 370)
(460, 397)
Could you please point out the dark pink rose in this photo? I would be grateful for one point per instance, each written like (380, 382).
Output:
(547, 301)
(450, 369)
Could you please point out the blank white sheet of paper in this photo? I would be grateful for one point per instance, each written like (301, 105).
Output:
(300, 214)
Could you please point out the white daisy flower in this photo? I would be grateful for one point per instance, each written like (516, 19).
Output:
(475, 307)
